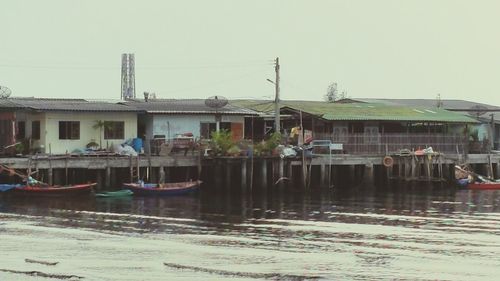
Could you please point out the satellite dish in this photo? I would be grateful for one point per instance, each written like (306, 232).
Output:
(216, 102)
(4, 92)
(478, 110)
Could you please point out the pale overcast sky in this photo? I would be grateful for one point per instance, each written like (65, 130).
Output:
(184, 49)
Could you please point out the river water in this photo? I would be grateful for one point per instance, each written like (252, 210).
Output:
(418, 233)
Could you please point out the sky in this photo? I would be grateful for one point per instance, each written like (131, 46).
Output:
(198, 49)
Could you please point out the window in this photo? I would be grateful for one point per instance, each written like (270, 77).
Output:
(69, 130)
(35, 130)
(21, 130)
(206, 128)
(114, 130)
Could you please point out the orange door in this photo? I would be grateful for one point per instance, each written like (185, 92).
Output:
(237, 131)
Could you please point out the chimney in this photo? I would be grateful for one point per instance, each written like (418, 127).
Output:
(146, 96)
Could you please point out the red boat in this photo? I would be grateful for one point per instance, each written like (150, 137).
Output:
(57, 191)
(164, 189)
(484, 185)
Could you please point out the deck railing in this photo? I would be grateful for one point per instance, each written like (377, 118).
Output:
(380, 144)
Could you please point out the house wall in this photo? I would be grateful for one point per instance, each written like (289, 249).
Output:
(49, 129)
(6, 129)
(170, 125)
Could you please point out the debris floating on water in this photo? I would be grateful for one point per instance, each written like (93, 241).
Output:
(274, 276)
(41, 262)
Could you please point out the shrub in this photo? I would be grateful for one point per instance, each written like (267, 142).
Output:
(221, 142)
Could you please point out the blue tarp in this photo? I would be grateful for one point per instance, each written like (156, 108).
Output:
(6, 187)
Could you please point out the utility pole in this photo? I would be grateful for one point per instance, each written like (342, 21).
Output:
(277, 97)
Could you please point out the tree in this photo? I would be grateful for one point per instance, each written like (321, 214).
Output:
(99, 124)
(331, 93)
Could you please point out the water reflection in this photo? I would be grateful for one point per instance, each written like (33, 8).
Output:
(415, 233)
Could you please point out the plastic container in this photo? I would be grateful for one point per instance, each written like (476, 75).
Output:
(137, 144)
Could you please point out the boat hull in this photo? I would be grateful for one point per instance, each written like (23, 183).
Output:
(115, 194)
(168, 189)
(54, 191)
(484, 186)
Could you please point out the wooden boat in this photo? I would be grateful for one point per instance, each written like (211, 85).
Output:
(164, 189)
(484, 185)
(471, 180)
(113, 194)
(79, 189)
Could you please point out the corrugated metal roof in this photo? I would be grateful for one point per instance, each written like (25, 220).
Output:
(361, 111)
(185, 106)
(76, 105)
(448, 104)
(8, 104)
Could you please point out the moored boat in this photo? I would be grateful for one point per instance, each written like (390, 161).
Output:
(72, 190)
(484, 185)
(471, 180)
(164, 189)
(113, 194)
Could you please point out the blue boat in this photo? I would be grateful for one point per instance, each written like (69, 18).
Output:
(164, 189)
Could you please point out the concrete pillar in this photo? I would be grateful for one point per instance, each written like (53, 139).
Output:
(99, 179)
(289, 172)
(281, 172)
(218, 174)
(323, 175)
(263, 172)
(407, 164)
(50, 176)
(243, 175)
(161, 172)
(414, 169)
(168, 174)
(108, 177)
(368, 173)
(228, 173)
(351, 173)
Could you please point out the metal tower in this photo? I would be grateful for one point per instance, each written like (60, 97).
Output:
(128, 76)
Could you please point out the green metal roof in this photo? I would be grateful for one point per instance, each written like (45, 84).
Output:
(361, 111)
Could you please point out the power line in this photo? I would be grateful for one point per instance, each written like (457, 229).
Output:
(140, 67)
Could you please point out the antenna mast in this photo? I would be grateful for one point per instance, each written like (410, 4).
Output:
(128, 76)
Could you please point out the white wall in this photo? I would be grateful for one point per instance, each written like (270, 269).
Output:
(49, 134)
(170, 125)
